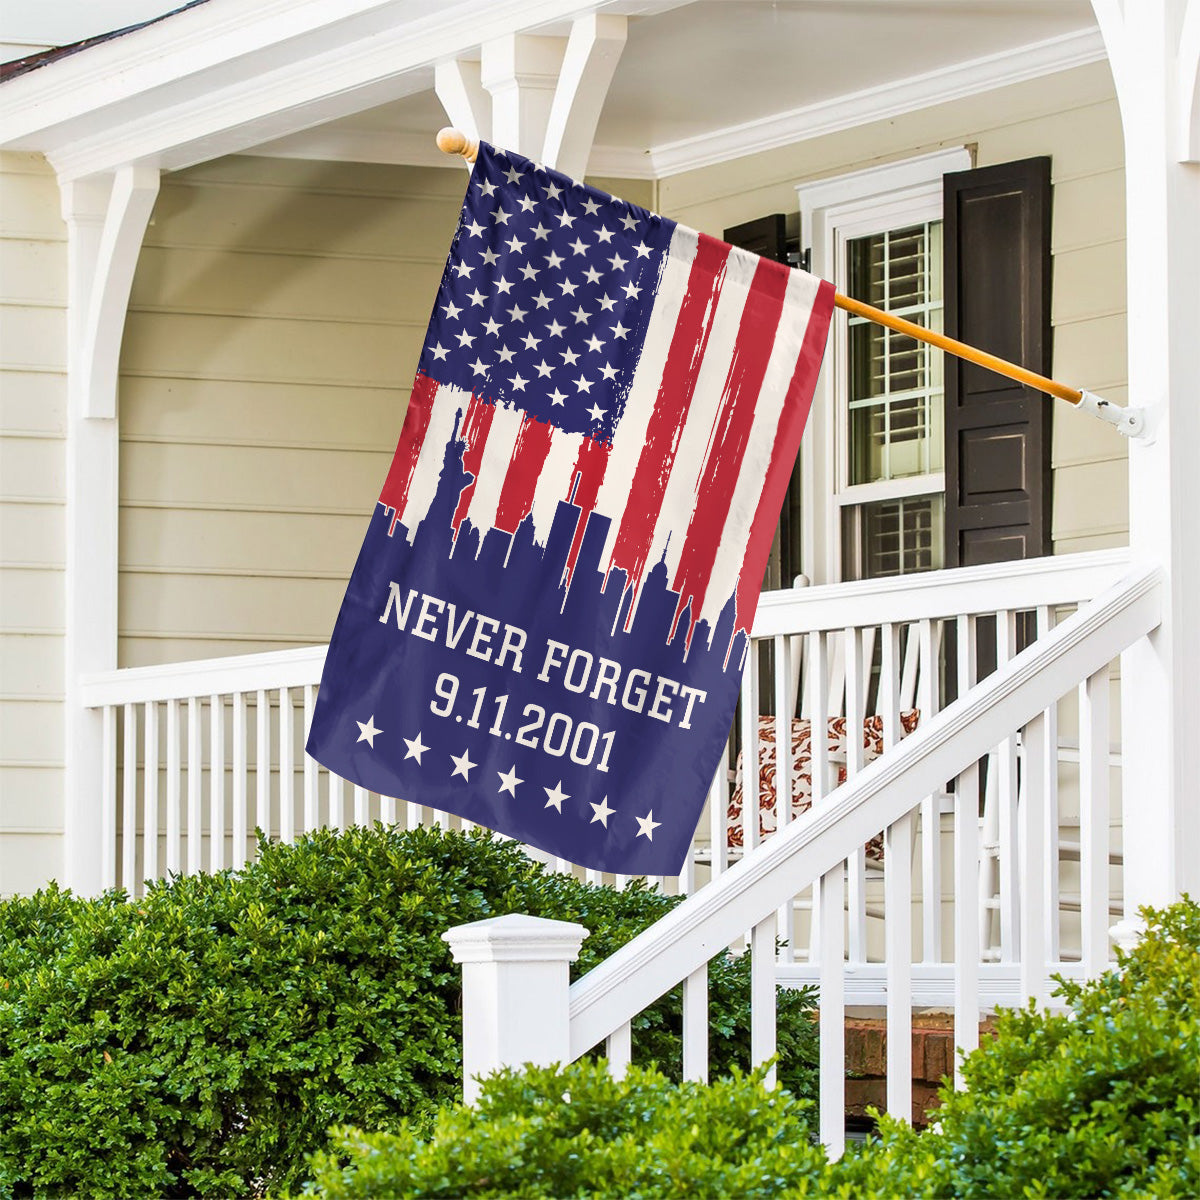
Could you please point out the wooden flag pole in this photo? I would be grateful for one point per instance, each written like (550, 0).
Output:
(1130, 422)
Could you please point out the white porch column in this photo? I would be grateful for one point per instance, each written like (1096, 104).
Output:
(1153, 48)
(106, 218)
(515, 993)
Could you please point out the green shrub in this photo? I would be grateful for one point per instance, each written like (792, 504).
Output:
(202, 1040)
(1100, 1100)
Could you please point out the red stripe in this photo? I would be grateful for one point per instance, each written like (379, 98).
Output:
(727, 445)
(670, 410)
(796, 405)
(408, 448)
(475, 426)
(590, 466)
(528, 457)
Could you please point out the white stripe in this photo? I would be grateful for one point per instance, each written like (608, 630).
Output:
(449, 404)
(493, 467)
(789, 340)
(554, 483)
(630, 435)
(695, 443)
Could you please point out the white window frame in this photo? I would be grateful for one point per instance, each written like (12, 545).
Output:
(832, 211)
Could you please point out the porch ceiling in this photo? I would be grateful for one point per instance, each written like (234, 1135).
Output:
(352, 79)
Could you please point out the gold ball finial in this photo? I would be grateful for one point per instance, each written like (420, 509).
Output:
(454, 141)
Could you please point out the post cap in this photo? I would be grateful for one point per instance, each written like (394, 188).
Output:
(516, 938)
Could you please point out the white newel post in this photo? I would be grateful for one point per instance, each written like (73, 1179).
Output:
(1154, 51)
(515, 992)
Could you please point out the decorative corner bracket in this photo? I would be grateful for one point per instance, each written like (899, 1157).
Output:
(1131, 422)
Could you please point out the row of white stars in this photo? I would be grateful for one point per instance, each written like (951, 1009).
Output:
(487, 189)
(515, 245)
(509, 780)
(541, 300)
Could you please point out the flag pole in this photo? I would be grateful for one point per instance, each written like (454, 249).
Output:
(1129, 421)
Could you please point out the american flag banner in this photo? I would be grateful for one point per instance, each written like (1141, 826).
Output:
(546, 626)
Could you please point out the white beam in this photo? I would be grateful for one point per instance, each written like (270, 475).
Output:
(1189, 85)
(592, 53)
(521, 72)
(461, 93)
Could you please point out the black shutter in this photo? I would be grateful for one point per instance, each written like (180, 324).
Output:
(765, 236)
(997, 296)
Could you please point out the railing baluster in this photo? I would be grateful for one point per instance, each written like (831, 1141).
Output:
(966, 876)
(262, 763)
(1045, 623)
(1006, 791)
(832, 1036)
(312, 799)
(931, 824)
(785, 703)
(412, 815)
(718, 815)
(195, 768)
(818, 708)
(695, 1025)
(216, 780)
(129, 822)
(287, 768)
(174, 790)
(856, 864)
(238, 814)
(108, 802)
(362, 802)
(618, 1048)
(1094, 816)
(149, 800)
(337, 802)
(763, 989)
(387, 811)
(1033, 867)
(752, 797)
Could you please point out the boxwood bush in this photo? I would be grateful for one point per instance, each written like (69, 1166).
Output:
(203, 1039)
(1102, 1099)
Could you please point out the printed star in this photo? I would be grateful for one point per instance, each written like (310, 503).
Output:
(570, 358)
(465, 338)
(596, 412)
(604, 235)
(609, 372)
(553, 191)
(607, 303)
(619, 330)
(451, 310)
(565, 220)
(568, 287)
(512, 174)
(555, 796)
(463, 269)
(476, 297)
(474, 229)
(647, 825)
(517, 313)
(556, 397)
(531, 343)
(542, 300)
(490, 326)
(490, 256)
(591, 207)
(501, 217)
(580, 315)
(506, 355)
(592, 275)
(584, 385)
(515, 245)
(643, 251)
(509, 781)
(519, 383)
(579, 246)
(526, 203)
(628, 221)
(487, 188)
(632, 291)
(503, 286)
(555, 329)
(554, 260)
(543, 369)
(529, 271)
(416, 747)
(594, 343)
(439, 352)
(478, 367)
(540, 232)
(618, 263)
(462, 765)
(603, 812)
(367, 731)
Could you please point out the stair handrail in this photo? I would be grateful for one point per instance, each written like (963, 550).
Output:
(708, 921)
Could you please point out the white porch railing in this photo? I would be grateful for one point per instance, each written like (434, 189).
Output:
(1013, 703)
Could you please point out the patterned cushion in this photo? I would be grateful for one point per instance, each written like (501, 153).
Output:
(802, 771)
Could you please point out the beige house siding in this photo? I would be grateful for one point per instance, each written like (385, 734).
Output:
(1072, 117)
(33, 398)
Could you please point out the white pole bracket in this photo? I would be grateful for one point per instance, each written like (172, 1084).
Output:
(1131, 422)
